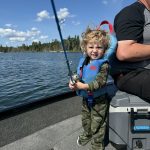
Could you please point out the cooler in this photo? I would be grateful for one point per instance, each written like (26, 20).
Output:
(129, 122)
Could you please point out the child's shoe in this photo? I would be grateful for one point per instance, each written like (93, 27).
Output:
(83, 139)
(97, 145)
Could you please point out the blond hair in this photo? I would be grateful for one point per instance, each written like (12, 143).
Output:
(100, 36)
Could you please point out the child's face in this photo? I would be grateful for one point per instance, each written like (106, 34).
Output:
(94, 50)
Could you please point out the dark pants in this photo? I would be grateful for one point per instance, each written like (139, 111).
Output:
(136, 82)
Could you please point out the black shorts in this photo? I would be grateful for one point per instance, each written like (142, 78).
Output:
(136, 82)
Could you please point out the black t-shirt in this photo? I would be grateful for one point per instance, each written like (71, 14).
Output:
(129, 23)
(133, 23)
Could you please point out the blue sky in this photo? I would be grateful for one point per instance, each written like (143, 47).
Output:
(25, 21)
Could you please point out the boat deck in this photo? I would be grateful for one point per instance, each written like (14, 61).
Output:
(60, 136)
(50, 124)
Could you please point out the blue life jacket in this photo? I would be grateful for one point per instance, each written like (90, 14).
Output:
(112, 48)
(90, 71)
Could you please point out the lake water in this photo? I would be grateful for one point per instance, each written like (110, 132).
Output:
(28, 76)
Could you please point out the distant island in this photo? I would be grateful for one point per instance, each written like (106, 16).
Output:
(72, 44)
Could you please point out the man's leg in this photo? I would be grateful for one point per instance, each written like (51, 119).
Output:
(136, 82)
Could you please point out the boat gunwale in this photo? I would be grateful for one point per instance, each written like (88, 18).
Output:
(26, 106)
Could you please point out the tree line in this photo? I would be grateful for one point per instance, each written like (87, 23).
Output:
(71, 44)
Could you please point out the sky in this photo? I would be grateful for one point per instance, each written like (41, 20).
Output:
(27, 21)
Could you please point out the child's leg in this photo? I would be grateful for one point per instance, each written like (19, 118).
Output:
(86, 118)
(85, 137)
(98, 124)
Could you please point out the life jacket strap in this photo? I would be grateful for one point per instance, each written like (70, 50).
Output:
(85, 62)
(90, 100)
(109, 24)
(81, 72)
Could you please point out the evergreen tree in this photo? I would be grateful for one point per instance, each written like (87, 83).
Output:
(71, 44)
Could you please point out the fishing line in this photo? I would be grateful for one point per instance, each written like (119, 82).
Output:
(61, 38)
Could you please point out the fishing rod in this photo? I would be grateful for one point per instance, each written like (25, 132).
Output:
(62, 42)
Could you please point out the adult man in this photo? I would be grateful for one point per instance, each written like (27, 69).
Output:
(132, 27)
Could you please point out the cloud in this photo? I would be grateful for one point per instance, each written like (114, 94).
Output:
(8, 25)
(32, 32)
(7, 32)
(19, 36)
(17, 39)
(43, 37)
(36, 40)
(44, 14)
(63, 13)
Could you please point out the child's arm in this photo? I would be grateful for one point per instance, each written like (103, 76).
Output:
(99, 82)
(78, 86)
(82, 86)
(101, 78)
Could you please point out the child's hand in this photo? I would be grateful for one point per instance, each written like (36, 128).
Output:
(72, 85)
(81, 86)
(78, 86)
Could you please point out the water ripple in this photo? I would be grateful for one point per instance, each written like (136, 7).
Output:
(28, 76)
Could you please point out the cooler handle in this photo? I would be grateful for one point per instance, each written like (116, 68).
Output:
(139, 128)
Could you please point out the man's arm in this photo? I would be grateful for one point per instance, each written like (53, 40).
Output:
(129, 50)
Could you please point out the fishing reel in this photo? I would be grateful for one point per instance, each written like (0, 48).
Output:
(75, 78)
